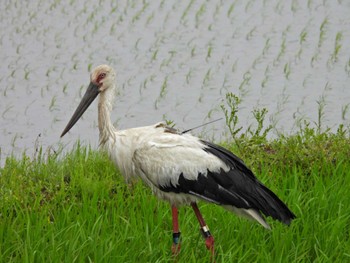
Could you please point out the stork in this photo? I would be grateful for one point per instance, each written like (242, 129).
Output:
(179, 168)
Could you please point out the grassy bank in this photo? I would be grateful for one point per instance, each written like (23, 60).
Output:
(77, 208)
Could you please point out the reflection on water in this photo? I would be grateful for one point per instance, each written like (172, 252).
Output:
(175, 60)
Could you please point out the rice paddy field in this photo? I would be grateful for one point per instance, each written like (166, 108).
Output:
(175, 60)
(276, 71)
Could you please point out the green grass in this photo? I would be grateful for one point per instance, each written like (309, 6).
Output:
(77, 208)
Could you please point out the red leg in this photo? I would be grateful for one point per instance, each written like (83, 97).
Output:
(175, 248)
(209, 239)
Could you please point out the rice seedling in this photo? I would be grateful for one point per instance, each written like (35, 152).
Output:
(26, 74)
(189, 75)
(294, 6)
(143, 86)
(302, 36)
(248, 6)
(286, 70)
(163, 91)
(27, 107)
(256, 62)
(200, 13)
(168, 60)
(279, 7)
(210, 49)
(53, 106)
(347, 67)
(302, 40)
(150, 18)
(64, 89)
(344, 111)
(185, 12)
(6, 111)
(13, 73)
(281, 52)
(18, 49)
(207, 77)
(266, 47)
(138, 14)
(321, 103)
(250, 34)
(244, 85)
(154, 55)
(14, 139)
(337, 47)
(193, 51)
(322, 34)
(264, 82)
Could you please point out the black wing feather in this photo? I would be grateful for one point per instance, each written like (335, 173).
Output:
(238, 187)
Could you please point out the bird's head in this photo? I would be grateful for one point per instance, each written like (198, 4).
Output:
(102, 77)
(102, 80)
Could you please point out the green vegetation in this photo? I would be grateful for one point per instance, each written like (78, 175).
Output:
(77, 208)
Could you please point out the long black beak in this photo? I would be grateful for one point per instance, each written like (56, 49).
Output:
(90, 94)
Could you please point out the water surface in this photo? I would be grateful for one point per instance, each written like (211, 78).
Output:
(175, 60)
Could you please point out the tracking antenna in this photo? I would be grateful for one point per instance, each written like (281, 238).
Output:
(185, 131)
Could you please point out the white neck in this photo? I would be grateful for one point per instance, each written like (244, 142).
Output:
(107, 130)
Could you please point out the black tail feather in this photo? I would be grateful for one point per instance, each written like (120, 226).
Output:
(241, 181)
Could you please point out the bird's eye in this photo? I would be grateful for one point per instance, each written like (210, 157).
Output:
(100, 77)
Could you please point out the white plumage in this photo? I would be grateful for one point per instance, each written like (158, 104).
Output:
(178, 167)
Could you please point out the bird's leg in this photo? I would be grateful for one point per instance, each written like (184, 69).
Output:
(175, 248)
(209, 239)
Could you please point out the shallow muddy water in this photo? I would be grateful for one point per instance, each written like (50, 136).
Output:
(175, 60)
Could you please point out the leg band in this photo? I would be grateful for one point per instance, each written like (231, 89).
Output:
(176, 237)
(205, 232)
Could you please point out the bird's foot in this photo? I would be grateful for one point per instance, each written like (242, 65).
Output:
(175, 249)
(209, 241)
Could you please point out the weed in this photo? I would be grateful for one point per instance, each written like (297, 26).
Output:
(168, 122)
(231, 116)
(260, 133)
(76, 207)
